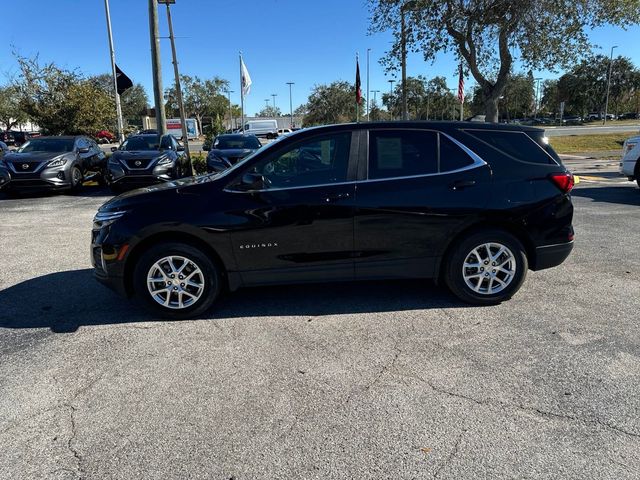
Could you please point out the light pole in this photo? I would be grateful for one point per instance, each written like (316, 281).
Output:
(536, 102)
(606, 105)
(274, 95)
(266, 103)
(391, 82)
(368, 100)
(183, 121)
(375, 96)
(229, 92)
(290, 103)
(161, 118)
(115, 77)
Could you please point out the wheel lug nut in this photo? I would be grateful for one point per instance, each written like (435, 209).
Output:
(173, 276)
(175, 288)
(182, 284)
(482, 269)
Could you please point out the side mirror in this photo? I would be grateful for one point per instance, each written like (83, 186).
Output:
(84, 150)
(206, 148)
(180, 148)
(114, 149)
(252, 181)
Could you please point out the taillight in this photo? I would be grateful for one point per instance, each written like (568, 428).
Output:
(564, 181)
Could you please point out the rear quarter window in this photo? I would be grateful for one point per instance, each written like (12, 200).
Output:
(517, 145)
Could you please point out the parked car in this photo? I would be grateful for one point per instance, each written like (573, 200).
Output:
(146, 159)
(284, 131)
(147, 131)
(4, 148)
(572, 120)
(629, 116)
(14, 138)
(56, 163)
(230, 149)
(105, 136)
(630, 162)
(473, 205)
(5, 176)
(262, 128)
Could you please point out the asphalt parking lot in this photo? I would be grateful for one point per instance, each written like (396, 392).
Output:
(369, 380)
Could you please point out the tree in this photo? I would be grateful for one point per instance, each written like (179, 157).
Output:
(62, 101)
(201, 98)
(134, 101)
(486, 34)
(426, 99)
(11, 114)
(269, 112)
(333, 103)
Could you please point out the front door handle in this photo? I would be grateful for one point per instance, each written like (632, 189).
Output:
(336, 197)
(461, 184)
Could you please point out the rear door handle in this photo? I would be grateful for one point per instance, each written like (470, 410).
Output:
(336, 197)
(461, 184)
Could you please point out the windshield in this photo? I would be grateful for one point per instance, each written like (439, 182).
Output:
(53, 145)
(140, 143)
(228, 143)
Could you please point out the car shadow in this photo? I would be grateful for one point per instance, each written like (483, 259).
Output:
(65, 301)
(620, 194)
(87, 191)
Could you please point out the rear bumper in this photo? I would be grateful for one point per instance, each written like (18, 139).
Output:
(549, 256)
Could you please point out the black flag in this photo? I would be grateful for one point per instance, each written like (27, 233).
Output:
(124, 83)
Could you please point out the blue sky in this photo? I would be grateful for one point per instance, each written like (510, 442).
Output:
(304, 41)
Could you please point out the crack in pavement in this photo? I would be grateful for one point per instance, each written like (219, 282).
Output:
(453, 453)
(387, 366)
(71, 441)
(538, 411)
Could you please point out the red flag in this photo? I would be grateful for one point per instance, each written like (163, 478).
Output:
(461, 86)
(358, 84)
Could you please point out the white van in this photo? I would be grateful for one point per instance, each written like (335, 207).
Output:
(262, 128)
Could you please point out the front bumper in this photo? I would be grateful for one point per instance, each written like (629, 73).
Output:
(108, 269)
(57, 178)
(122, 176)
(548, 256)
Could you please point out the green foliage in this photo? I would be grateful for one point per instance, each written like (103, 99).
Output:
(486, 34)
(426, 100)
(134, 101)
(11, 113)
(269, 112)
(62, 101)
(333, 103)
(199, 162)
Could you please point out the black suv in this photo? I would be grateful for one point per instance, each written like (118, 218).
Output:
(146, 159)
(227, 150)
(474, 205)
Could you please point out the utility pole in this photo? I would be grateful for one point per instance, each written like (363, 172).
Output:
(229, 92)
(183, 117)
(368, 99)
(403, 52)
(391, 82)
(161, 118)
(274, 95)
(606, 105)
(115, 77)
(290, 103)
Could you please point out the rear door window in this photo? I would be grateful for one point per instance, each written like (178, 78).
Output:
(517, 145)
(395, 153)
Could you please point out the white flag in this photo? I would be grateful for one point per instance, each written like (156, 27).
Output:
(246, 79)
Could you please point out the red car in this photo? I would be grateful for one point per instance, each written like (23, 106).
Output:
(105, 136)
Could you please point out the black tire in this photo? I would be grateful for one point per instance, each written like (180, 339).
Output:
(454, 274)
(210, 275)
(76, 178)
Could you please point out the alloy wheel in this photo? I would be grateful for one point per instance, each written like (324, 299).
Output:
(489, 268)
(175, 282)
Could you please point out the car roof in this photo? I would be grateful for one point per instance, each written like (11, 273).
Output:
(236, 135)
(437, 125)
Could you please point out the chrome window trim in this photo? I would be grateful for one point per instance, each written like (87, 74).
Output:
(289, 188)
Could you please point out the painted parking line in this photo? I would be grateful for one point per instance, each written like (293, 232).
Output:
(598, 179)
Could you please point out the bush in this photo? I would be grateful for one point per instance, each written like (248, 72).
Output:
(199, 161)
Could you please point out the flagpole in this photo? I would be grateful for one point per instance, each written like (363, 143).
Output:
(119, 120)
(241, 95)
(357, 104)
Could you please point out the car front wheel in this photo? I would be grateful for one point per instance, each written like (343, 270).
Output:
(486, 268)
(176, 280)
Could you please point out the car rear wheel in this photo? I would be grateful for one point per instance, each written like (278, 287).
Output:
(486, 268)
(176, 280)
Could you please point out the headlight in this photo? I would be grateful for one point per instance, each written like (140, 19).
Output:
(57, 163)
(107, 218)
(164, 160)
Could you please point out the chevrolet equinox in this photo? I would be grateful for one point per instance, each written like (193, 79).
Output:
(472, 205)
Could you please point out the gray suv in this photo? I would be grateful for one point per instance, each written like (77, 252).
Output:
(53, 163)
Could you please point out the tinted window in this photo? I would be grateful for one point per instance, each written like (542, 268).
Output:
(402, 154)
(515, 144)
(543, 142)
(323, 160)
(452, 157)
(166, 142)
(48, 145)
(140, 143)
(228, 143)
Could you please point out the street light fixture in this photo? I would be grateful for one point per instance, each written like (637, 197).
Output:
(606, 105)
